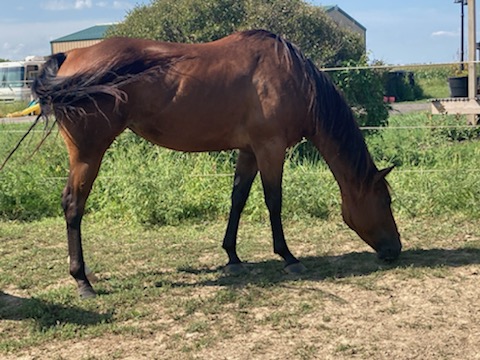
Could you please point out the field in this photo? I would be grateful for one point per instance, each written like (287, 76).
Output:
(153, 234)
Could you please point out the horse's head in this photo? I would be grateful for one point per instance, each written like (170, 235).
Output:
(369, 214)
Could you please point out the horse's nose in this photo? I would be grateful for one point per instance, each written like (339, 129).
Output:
(390, 253)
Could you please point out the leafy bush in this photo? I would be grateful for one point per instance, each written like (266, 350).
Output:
(402, 86)
(190, 21)
(363, 89)
(306, 25)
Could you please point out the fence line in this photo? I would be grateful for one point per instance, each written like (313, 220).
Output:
(230, 175)
(398, 66)
(419, 127)
(378, 128)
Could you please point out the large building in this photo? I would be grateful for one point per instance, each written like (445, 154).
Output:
(80, 39)
(95, 34)
(346, 21)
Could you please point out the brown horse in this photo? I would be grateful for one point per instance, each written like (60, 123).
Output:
(251, 91)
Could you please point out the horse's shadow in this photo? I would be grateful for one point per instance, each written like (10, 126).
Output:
(269, 272)
(336, 266)
(46, 314)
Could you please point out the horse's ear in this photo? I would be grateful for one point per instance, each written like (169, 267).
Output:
(381, 174)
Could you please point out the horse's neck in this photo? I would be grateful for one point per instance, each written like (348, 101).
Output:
(338, 137)
(350, 170)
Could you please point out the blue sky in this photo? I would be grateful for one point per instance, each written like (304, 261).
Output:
(398, 31)
(409, 31)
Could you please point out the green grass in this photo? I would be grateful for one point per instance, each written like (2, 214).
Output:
(168, 280)
(434, 80)
(155, 222)
(143, 184)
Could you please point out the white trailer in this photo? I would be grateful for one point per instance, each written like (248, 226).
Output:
(17, 77)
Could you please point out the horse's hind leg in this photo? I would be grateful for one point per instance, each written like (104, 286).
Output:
(270, 162)
(74, 196)
(85, 148)
(245, 173)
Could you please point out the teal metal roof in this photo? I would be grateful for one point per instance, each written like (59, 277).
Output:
(92, 33)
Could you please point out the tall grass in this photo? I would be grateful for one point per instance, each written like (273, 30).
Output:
(436, 172)
(437, 166)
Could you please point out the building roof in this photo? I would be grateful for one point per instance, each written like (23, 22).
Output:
(92, 33)
(330, 8)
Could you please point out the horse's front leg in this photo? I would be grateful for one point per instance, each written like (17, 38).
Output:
(270, 161)
(245, 173)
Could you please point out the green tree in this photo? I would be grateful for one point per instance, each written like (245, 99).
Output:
(190, 21)
(186, 21)
(305, 25)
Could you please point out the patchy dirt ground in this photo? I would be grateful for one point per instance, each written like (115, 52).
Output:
(347, 306)
(387, 317)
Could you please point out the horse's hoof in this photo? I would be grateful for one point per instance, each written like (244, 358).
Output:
(87, 293)
(296, 268)
(235, 269)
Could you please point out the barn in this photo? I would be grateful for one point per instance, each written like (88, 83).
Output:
(80, 39)
(343, 19)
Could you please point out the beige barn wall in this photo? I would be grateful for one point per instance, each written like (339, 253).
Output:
(69, 45)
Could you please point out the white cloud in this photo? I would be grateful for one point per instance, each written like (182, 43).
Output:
(33, 38)
(83, 4)
(57, 5)
(121, 5)
(13, 51)
(443, 33)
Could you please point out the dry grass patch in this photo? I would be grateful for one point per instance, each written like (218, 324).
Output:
(163, 294)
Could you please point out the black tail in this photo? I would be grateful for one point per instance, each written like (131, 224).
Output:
(44, 83)
(42, 89)
(63, 94)
(66, 94)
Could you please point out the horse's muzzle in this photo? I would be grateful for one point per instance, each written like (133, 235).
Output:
(390, 253)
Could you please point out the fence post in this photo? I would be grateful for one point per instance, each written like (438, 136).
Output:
(472, 51)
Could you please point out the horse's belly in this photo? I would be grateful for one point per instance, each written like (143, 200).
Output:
(190, 138)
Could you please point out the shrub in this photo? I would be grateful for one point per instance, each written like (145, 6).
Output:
(363, 90)
(190, 21)
(306, 25)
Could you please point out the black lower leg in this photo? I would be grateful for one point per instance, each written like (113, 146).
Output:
(244, 176)
(273, 198)
(73, 217)
(77, 263)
